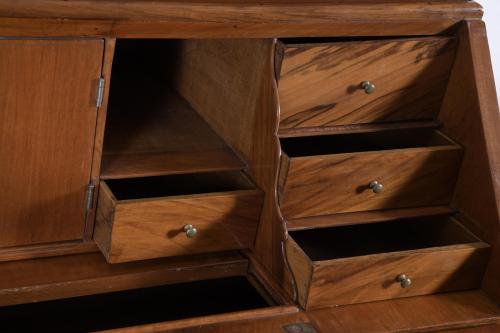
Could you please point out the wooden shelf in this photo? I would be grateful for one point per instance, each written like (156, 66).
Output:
(168, 137)
(342, 219)
(358, 128)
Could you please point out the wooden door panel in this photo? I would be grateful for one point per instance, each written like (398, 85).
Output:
(47, 128)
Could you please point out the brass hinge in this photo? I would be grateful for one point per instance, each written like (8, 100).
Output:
(90, 196)
(100, 92)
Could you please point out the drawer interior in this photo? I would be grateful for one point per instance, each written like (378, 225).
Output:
(393, 236)
(185, 184)
(135, 307)
(361, 142)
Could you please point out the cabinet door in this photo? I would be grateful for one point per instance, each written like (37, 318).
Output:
(47, 127)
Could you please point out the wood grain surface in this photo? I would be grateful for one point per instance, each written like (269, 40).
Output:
(231, 83)
(167, 137)
(87, 274)
(374, 216)
(411, 314)
(174, 19)
(327, 184)
(129, 230)
(471, 116)
(320, 84)
(444, 266)
(268, 320)
(47, 128)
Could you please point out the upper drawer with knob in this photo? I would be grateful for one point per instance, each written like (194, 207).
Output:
(322, 175)
(356, 82)
(175, 215)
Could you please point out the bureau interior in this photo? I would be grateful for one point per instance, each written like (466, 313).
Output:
(360, 142)
(151, 129)
(393, 236)
(184, 184)
(135, 307)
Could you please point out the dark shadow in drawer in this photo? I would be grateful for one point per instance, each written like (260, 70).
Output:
(402, 258)
(134, 307)
(174, 215)
(365, 239)
(324, 175)
(360, 142)
(151, 187)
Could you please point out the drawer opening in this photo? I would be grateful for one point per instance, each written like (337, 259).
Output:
(151, 130)
(175, 215)
(401, 258)
(135, 307)
(362, 142)
(184, 184)
(393, 236)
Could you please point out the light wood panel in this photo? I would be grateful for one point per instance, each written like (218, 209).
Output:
(366, 217)
(138, 229)
(357, 128)
(255, 321)
(168, 137)
(230, 19)
(320, 83)
(42, 279)
(48, 117)
(231, 83)
(471, 117)
(338, 183)
(412, 314)
(338, 276)
(477, 329)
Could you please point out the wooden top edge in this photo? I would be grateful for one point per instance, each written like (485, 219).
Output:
(239, 11)
(209, 320)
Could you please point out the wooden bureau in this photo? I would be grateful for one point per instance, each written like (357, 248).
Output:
(248, 166)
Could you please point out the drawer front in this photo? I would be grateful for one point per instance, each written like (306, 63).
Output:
(144, 229)
(372, 278)
(322, 185)
(320, 85)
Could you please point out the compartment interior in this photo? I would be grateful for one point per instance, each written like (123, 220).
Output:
(150, 129)
(134, 307)
(184, 184)
(360, 142)
(365, 239)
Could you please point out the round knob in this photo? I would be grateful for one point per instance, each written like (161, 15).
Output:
(376, 186)
(368, 87)
(404, 280)
(190, 231)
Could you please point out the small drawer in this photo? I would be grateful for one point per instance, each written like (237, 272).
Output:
(362, 263)
(321, 84)
(175, 215)
(324, 175)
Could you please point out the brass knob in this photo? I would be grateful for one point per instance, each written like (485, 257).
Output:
(376, 186)
(190, 231)
(368, 87)
(404, 280)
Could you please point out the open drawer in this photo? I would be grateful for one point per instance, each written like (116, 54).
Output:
(174, 215)
(362, 263)
(322, 175)
(137, 307)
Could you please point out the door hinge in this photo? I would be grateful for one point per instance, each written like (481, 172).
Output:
(100, 92)
(90, 196)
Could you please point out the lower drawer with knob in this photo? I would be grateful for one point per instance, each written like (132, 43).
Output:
(324, 175)
(363, 263)
(153, 217)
